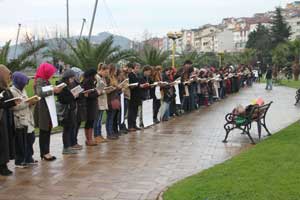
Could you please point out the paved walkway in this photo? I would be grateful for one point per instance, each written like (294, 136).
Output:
(140, 165)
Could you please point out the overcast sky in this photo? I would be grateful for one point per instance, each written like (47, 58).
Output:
(126, 17)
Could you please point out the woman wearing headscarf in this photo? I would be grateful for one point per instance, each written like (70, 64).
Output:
(41, 112)
(6, 121)
(68, 101)
(91, 94)
(24, 123)
(81, 109)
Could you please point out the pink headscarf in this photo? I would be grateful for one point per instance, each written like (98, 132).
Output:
(45, 71)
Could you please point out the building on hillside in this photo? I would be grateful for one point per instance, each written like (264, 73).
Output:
(188, 40)
(224, 41)
(294, 23)
(205, 38)
(155, 42)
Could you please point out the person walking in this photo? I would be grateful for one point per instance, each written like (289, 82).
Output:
(269, 77)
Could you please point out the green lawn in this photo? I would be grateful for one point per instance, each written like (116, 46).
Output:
(290, 83)
(269, 171)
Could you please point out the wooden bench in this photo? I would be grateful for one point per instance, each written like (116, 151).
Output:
(257, 114)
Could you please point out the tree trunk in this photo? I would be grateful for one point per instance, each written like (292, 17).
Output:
(296, 71)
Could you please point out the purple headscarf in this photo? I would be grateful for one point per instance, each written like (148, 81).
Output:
(19, 80)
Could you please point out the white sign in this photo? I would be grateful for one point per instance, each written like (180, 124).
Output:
(147, 112)
(122, 108)
(178, 102)
(157, 93)
(50, 100)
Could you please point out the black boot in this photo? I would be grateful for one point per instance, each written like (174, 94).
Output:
(4, 171)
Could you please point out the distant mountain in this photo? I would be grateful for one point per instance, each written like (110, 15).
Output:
(121, 41)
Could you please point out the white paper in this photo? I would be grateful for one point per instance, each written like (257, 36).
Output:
(147, 112)
(122, 108)
(50, 100)
(157, 93)
(178, 102)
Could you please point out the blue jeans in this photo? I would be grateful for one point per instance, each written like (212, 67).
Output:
(269, 84)
(166, 114)
(98, 123)
(110, 122)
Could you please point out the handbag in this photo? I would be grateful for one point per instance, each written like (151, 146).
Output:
(115, 104)
(62, 111)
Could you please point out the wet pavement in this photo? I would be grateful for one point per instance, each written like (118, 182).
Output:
(140, 165)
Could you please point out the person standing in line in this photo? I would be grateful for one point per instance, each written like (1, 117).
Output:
(68, 102)
(103, 72)
(91, 94)
(80, 111)
(122, 77)
(41, 112)
(135, 100)
(156, 77)
(269, 77)
(24, 123)
(114, 105)
(6, 122)
(144, 82)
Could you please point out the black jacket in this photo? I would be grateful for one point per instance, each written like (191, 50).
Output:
(135, 95)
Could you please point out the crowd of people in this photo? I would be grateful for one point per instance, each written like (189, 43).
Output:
(116, 93)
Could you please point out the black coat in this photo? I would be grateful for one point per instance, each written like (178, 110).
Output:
(7, 130)
(144, 92)
(67, 99)
(91, 100)
(135, 95)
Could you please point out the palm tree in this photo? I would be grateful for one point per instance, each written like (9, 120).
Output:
(85, 54)
(152, 56)
(24, 59)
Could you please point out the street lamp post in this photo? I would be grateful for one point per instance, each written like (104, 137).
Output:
(174, 36)
(17, 40)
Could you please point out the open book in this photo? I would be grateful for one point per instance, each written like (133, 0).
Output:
(13, 99)
(109, 88)
(62, 85)
(89, 91)
(33, 99)
(77, 90)
(124, 83)
(133, 84)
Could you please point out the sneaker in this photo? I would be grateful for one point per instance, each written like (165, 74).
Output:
(69, 151)
(112, 137)
(21, 166)
(77, 147)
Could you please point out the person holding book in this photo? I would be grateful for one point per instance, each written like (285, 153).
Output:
(145, 87)
(135, 99)
(41, 111)
(91, 94)
(7, 133)
(67, 99)
(24, 123)
(81, 108)
(114, 104)
(123, 79)
(156, 92)
(101, 76)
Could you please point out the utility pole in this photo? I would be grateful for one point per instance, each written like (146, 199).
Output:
(68, 23)
(17, 40)
(82, 26)
(93, 19)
